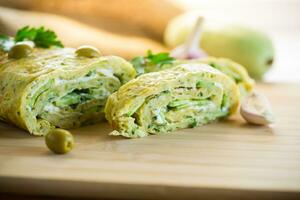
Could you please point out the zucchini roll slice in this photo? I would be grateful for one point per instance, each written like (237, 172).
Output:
(56, 88)
(187, 95)
(232, 69)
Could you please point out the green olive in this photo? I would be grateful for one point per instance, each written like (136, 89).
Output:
(21, 49)
(88, 51)
(59, 141)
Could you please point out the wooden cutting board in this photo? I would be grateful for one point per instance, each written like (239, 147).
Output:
(226, 160)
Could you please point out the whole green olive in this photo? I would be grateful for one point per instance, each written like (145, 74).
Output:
(59, 141)
(87, 51)
(21, 49)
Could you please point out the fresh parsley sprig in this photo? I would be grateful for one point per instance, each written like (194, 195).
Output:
(43, 38)
(159, 59)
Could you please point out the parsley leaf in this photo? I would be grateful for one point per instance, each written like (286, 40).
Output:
(160, 58)
(25, 33)
(151, 60)
(40, 36)
(43, 38)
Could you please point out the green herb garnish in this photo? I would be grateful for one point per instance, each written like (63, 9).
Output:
(40, 36)
(43, 38)
(155, 60)
(160, 58)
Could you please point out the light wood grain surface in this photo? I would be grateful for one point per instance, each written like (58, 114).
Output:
(229, 159)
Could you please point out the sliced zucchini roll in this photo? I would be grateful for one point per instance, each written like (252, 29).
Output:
(187, 95)
(162, 61)
(232, 69)
(57, 88)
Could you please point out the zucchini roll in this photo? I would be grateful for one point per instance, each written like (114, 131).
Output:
(187, 95)
(232, 69)
(57, 88)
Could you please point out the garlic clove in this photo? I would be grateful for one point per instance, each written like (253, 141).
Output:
(256, 109)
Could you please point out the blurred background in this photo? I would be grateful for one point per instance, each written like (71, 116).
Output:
(129, 27)
(278, 18)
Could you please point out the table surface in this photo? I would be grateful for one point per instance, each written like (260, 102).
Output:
(227, 160)
(223, 159)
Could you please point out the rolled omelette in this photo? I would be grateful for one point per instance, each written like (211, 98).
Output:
(55, 88)
(187, 95)
(232, 69)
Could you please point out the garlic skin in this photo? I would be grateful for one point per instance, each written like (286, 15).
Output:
(190, 49)
(256, 109)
